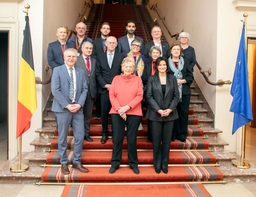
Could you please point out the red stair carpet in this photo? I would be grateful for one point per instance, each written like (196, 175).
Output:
(176, 190)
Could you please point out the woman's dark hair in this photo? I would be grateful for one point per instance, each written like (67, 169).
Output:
(158, 60)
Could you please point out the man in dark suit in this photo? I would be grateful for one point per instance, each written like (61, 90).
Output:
(56, 49)
(156, 34)
(124, 43)
(80, 37)
(88, 64)
(69, 89)
(107, 67)
(99, 45)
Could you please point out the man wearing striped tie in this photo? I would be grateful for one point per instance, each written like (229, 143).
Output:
(69, 89)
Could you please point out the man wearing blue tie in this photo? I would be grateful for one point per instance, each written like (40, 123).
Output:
(69, 89)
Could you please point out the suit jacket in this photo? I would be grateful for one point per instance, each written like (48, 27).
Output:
(187, 75)
(98, 48)
(165, 49)
(156, 99)
(124, 47)
(60, 88)
(147, 72)
(72, 41)
(90, 78)
(104, 74)
(55, 55)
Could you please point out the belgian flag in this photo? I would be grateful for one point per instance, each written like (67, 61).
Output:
(27, 103)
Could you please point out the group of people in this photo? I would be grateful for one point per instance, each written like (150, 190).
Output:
(121, 75)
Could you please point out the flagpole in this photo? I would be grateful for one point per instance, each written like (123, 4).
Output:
(241, 163)
(20, 167)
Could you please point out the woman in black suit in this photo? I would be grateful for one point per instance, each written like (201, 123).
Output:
(163, 97)
(179, 67)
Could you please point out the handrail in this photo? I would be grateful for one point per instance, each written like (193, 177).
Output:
(220, 82)
(71, 32)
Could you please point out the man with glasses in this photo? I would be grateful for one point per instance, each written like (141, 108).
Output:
(124, 43)
(107, 67)
(69, 89)
(80, 37)
(156, 34)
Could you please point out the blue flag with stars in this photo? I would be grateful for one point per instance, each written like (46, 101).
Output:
(241, 104)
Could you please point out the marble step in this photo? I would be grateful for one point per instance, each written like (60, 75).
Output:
(43, 144)
(48, 132)
(199, 112)
(196, 103)
(194, 96)
(39, 158)
(33, 174)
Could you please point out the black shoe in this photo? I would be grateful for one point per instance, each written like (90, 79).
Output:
(88, 138)
(149, 140)
(96, 117)
(104, 139)
(157, 170)
(165, 170)
(112, 170)
(135, 170)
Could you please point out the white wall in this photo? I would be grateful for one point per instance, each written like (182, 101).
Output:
(214, 27)
(45, 17)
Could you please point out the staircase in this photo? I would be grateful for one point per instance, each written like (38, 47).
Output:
(196, 160)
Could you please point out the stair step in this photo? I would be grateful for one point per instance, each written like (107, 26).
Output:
(196, 103)
(37, 158)
(125, 174)
(99, 157)
(199, 111)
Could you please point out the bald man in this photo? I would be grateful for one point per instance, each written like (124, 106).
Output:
(80, 37)
(88, 64)
(107, 67)
(56, 49)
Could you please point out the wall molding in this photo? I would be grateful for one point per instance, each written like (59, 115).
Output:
(244, 4)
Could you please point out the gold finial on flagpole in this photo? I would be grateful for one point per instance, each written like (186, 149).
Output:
(27, 6)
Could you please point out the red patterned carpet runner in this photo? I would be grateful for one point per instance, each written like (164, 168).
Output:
(179, 190)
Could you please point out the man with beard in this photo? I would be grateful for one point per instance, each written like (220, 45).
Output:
(124, 43)
(80, 37)
(99, 45)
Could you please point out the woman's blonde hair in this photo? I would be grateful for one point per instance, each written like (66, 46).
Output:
(127, 60)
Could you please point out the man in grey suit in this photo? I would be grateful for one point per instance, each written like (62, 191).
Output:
(88, 64)
(69, 89)
(124, 43)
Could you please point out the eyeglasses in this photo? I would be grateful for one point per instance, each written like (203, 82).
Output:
(136, 45)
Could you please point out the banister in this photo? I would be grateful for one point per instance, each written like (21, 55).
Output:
(220, 82)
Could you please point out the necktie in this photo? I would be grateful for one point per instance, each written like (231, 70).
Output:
(110, 60)
(71, 85)
(104, 45)
(88, 65)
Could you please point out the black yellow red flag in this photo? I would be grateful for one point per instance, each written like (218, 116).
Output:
(27, 102)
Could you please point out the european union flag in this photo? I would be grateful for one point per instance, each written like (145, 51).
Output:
(241, 104)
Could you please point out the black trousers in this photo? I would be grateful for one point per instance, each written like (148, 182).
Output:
(161, 139)
(118, 125)
(105, 108)
(180, 128)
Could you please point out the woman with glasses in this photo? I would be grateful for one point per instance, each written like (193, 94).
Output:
(139, 61)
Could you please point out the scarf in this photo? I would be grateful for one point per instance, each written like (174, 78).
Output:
(177, 72)
(139, 64)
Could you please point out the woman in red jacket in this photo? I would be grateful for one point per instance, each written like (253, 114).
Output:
(125, 95)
